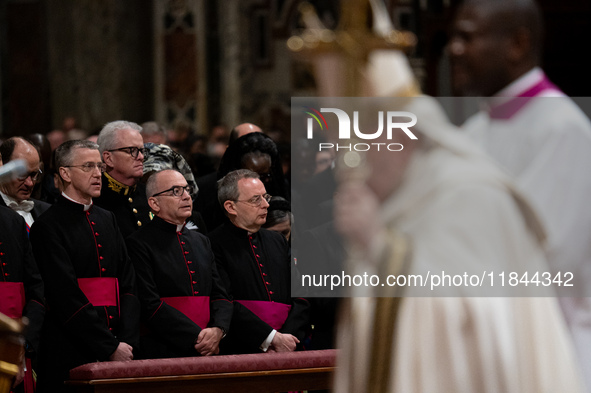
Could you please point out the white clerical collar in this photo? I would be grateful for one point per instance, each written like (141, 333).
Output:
(514, 89)
(521, 84)
(86, 207)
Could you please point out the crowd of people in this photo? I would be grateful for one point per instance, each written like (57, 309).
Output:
(119, 265)
(142, 243)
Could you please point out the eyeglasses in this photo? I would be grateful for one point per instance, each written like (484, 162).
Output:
(177, 191)
(257, 200)
(132, 151)
(89, 166)
(35, 175)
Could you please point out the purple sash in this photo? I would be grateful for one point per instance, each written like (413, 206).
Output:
(194, 307)
(12, 299)
(273, 313)
(100, 291)
(509, 108)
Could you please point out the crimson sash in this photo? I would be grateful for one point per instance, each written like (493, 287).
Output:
(12, 299)
(100, 291)
(12, 302)
(196, 308)
(273, 313)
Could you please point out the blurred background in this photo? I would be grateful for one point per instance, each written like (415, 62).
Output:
(200, 65)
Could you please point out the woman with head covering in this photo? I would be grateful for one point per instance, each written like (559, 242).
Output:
(255, 151)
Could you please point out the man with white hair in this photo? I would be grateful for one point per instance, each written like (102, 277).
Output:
(122, 148)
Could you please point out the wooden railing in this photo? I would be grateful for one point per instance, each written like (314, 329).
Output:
(265, 372)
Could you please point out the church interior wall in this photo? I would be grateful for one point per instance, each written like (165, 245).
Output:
(105, 60)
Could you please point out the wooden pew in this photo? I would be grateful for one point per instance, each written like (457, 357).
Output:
(264, 372)
(11, 350)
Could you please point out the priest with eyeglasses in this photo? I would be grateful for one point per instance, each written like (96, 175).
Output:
(185, 307)
(93, 309)
(255, 266)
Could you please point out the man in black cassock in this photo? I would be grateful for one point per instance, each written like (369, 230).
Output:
(184, 305)
(255, 266)
(122, 149)
(21, 287)
(93, 310)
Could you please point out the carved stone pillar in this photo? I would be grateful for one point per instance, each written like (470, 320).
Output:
(180, 63)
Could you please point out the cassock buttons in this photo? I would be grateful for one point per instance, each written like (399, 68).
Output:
(103, 270)
(268, 283)
(99, 246)
(192, 271)
(3, 263)
(101, 258)
(264, 274)
(130, 200)
(260, 264)
(6, 274)
(270, 292)
(195, 293)
(110, 317)
(186, 252)
(194, 282)
(96, 234)
(134, 210)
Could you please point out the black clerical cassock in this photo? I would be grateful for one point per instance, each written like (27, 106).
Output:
(21, 287)
(80, 253)
(179, 286)
(256, 270)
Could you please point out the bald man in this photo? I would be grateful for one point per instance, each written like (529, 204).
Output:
(533, 130)
(243, 129)
(184, 305)
(16, 194)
